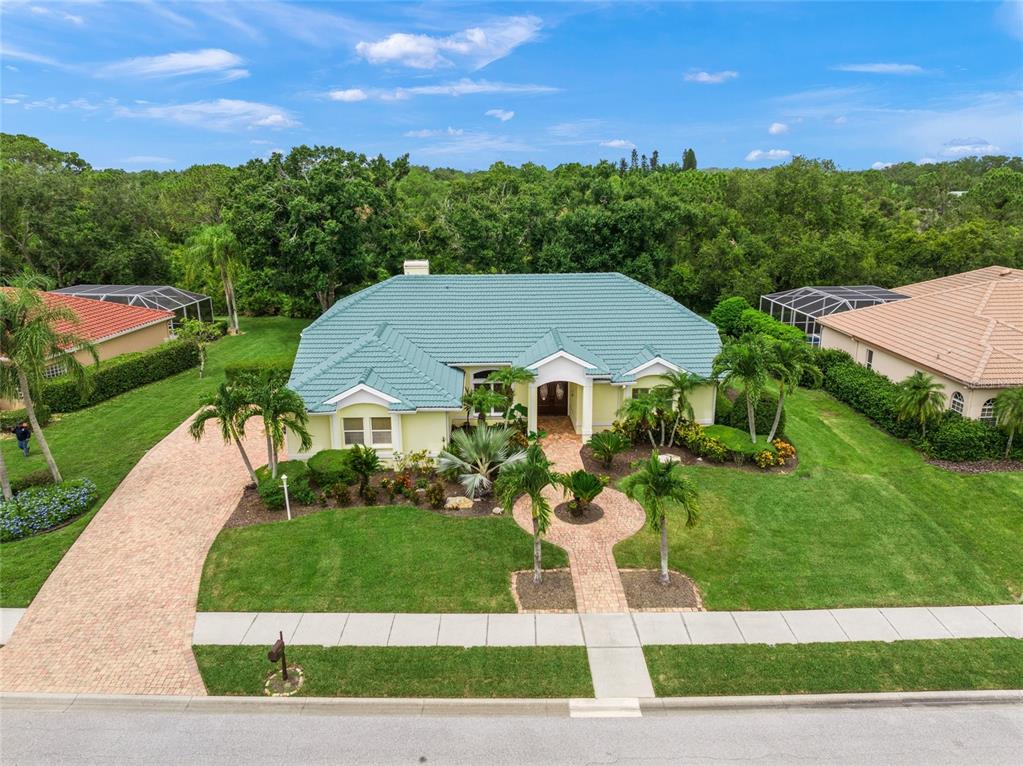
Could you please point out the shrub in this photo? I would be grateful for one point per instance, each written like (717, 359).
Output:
(38, 478)
(278, 367)
(695, 438)
(958, 438)
(120, 374)
(339, 493)
(369, 494)
(364, 462)
(763, 414)
(868, 392)
(727, 313)
(38, 509)
(606, 444)
(221, 326)
(435, 495)
(331, 466)
(414, 464)
(295, 469)
(10, 418)
(753, 321)
(766, 458)
(271, 491)
(722, 408)
(785, 450)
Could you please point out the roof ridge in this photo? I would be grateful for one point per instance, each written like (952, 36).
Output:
(348, 301)
(427, 377)
(330, 361)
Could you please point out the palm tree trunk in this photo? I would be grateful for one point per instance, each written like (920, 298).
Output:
(36, 430)
(662, 431)
(271, 456)
(228, 299)
(245, 456)
(5, 482)
(664, 579)
(777, 413)
(751, 418)
(1008, 444)
(650, 433)
(674, 430)
(233, 308)
(537, 569)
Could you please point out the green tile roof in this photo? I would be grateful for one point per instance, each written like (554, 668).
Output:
(400, 336)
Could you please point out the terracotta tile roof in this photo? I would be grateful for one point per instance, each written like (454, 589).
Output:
(971, 330)
(967, 278)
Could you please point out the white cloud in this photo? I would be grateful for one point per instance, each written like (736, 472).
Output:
(347, 95)
(428, 133)
(841, 120)
(969, 147)
(618, 143)
(8, 100)
(777, 128)
(222, 114)
(500, 114)
(8, 52)
(711, 78)
(463, 87)
(57, 14)
(880, 68)
(205, 61)
(83, 103)
(881, 165)
(147, 159)
(468, 144)
(760, 155)
(477, 46)
(1010, 15)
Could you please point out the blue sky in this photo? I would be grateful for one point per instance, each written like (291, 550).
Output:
(168, 84)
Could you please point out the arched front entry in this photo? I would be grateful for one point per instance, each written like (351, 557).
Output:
(552, 398)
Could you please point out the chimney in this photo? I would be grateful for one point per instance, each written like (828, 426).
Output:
(418, 268)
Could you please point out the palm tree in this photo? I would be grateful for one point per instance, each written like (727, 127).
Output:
(919, 398)
(660, 487)
(792, 360)
(678, 389)
(1009, 413)
(641, 411)
(215, 247)
(365, 462)
(509, 377)
(483, 400)
(529, 476)
(228, 407)
(745, 362)
(33, 336)
(280, 409)
(476, 456)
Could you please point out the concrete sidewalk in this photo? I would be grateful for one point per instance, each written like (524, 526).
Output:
(611, 631)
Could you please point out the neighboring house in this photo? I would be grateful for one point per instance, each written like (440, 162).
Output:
(112, 328)
(802, 306)
(965, 330)
(388, 365)
(183, 303)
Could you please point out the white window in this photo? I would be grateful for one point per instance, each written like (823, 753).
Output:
(356, 429)
(381, 431)
(638, 392)
(958, 404)
(355, 432)
(870, 359)
(479, 380)
(54, 370)
(987, 411)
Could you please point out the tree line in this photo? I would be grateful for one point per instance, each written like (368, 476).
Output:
(293, 233)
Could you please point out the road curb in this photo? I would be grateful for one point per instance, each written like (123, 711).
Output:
(12, 701)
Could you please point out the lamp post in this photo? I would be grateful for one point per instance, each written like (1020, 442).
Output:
(287, 500)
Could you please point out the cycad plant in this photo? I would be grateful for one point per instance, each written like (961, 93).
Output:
(364, 462)
(529, 476)
(606, 444)
(1009, 413)
(919, 399)
(583, 486)
(476, 456)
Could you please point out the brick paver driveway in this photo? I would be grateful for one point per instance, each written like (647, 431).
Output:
(590, 547)
(117, 613)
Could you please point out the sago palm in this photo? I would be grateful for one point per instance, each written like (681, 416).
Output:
(1009, 413)
(792, 360)
(661, 488)
(606, 444)
(746, 362)
(919, 399)
(529, 476)
(476, 456)
(228, 407)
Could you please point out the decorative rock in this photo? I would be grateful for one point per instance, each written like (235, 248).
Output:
(667, 457)
(497, 511)
(458, 503)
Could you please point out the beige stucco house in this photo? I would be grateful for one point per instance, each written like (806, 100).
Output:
(387, 366)
(965, 330)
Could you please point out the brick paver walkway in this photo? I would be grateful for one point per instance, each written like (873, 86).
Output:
(590, 547)
(116, 615)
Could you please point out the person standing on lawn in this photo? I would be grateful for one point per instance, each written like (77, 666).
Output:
(22, 432)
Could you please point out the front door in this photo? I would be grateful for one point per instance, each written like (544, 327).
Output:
(552, 398)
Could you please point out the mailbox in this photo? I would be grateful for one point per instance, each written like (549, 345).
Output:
(277, 653)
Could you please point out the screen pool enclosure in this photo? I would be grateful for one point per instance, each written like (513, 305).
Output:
(801, 306)
(184, 304)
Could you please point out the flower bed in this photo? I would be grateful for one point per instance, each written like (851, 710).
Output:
(39, 509)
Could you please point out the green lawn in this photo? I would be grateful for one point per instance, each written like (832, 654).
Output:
(862, 521)
(380, 559)
(869, 666)
(347, 671)
(738, 440)
(104, 442)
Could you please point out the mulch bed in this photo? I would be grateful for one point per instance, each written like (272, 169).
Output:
(592, 513)
(622, 465)
(554, 594)
(979, 466)
(643, 591)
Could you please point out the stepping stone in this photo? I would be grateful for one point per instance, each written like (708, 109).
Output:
(712, 628)
(812, 626)
(511, 630)
(764, 628)
(1008, 617)
(660, 628)
(915, 623)
(224, 628)
(865, 625)
(320, 629)
(414, 630)
(619, 672)
(966, 622)
(558, 630)
(462, 630)
(268, 626)
(367, 629)
(609, 630)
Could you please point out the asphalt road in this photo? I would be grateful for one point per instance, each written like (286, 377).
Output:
(961, 734)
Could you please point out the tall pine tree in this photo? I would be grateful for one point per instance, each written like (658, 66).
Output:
(689, 160)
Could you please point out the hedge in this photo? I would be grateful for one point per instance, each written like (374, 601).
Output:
(120, 374)
(763, 414)
(868, 392)
(958, 438)
(38, 509)
(278, 366)
(727, 313)
(754, 321)
(10, 418)
(330, 466)
(722, 408)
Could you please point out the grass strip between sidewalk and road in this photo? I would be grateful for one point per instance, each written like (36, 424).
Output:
(427, 671)
(867, 666)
